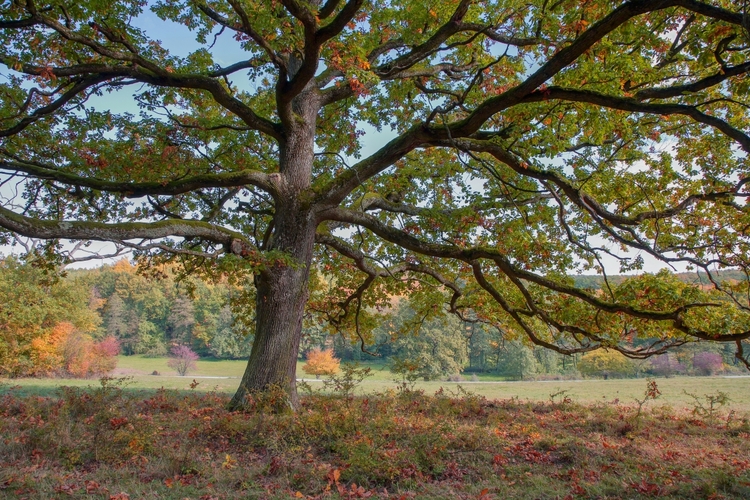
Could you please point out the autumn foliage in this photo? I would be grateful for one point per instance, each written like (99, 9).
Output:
(321, 362)
(109, 443)
(42, 316)
(68, 351)
(182, 359)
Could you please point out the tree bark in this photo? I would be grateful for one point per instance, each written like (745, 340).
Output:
(282, 287)
(282, 292)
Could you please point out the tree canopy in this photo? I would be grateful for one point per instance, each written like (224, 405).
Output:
(525, 142)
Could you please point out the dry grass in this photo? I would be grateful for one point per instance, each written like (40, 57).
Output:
(101, 442)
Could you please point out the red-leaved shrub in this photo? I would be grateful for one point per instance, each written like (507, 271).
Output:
(708, 363)
(182, 359)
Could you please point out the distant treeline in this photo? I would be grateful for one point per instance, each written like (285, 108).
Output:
(596, 282)
(51, 324)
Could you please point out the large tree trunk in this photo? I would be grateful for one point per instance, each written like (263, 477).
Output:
(282, 288)
(282, 292)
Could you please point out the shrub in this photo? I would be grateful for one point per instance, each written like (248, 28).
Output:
(666, 366)
(321, 363)
(605, 364)
(707, 363)
(83, 357)
(182, 359)
(68, 351)
(104, 358)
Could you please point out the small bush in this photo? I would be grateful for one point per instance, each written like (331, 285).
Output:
(182, 359)
(707, 363)
(321, 362)
(709, 410)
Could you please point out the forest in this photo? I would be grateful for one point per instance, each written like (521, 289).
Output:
(52, 316)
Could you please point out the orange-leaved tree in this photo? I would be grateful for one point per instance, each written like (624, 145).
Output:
(39, 311)
(321, 362)
(66, 350)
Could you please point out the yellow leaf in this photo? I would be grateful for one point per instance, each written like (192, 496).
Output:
(229, 462)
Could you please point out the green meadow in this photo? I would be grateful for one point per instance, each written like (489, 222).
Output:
(223, 376)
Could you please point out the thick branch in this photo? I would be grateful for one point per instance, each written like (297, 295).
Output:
(420, 52)
(414, 137)
(627, 104)
(579, 197)
(138, 189)
(77, 89)
(338, 23)
(360, 260)
(410, 242)
(119, 232)
(702, 84)
(160, 78)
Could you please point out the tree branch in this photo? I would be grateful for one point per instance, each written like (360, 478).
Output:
(471, 254)
(136, 190)
(232, 241)
(632, 105)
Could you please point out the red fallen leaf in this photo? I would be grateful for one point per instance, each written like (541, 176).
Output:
(92, 487)
(577, 489)
(607, 444)
(117, 422)
(169, 482)
(334, 475)
(120, 496)
(646, 488)
(67, 489)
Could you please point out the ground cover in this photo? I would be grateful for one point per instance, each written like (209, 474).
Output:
(106, 442)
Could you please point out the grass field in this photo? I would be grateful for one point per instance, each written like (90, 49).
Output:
(228, 373)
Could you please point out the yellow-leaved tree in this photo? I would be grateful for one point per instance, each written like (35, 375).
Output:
(321, 362)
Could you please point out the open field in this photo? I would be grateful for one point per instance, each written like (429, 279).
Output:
(228, 374)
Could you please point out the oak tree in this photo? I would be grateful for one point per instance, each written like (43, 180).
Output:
(518, 143)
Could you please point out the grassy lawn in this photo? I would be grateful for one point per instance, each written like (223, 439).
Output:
(228, 373)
